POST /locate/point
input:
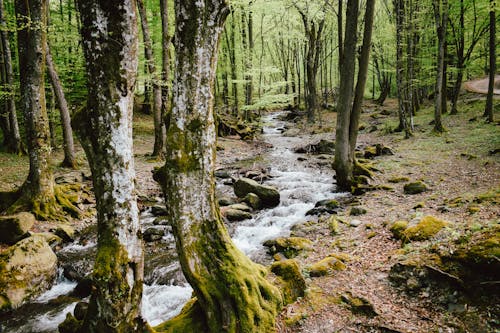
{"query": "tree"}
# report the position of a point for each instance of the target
(165, 75)
(349, 107)
(441, 20)
(157, 95)
(488, 111)
(232, 294)
(12, 136)
(109, 33)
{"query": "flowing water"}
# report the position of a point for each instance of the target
(165, 290)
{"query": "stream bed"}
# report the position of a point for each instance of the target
(166, 291)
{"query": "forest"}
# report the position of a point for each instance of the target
(249, 166)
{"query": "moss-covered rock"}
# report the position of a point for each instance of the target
(357, 210)
(70, 324)
(428, 227)
(290, 280)
(326, 267)
(269, 196)
(241, 206)
(289, 246)
(236, 214)
(66, 232)
(397, 228)
(15, 227)
(26, 269)
(359, 305)
(415, 188)
(252, 200)
(400, 179)
(333, 225)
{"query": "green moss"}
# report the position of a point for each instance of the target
(326, 267)
(398, 227)
(344, 257)
(289, 246)
(191, 319)
(182, 149)
(425, 229)
(333, 225)
(359, 305)
(70, 325)
(490, 196)
(415, 188)
(398, 180)
(290, 280)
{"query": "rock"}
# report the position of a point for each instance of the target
(50, 238)
(301, 159)
(292, 283)
(252, 200)
(160, 220)
(153, 234)
(234, 215)
(415, 188)
(359, 305)
(397, 228)
(326, 267)
(83, 288)
(243, 207)
(425, 229)
(81, 310)
(159, 210)
(333, 225)
(289, 246)
(71, 273)
(15, 227)
(355, 223)
(322, 147)
(226, 201)
(26, 269)
(357, 210)
(223, 174)
(330, 204)
(66, 232)
(269, 196)
(377, 150)
(398, 179)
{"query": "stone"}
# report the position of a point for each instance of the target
(66, 232)
(359, 305)
(357, 210)
(234, 215)
(226, 201)
(397, 228)
(333, 225)
(428, 227)
(153, 234)
(415, 188)
(26, 269)
(269, 196)
(159, 210)
(83, 288)
(355, 223)
(289, 246)
(322, 147)
(160, 220)
(326, 267)
(15, 227)
(292, 283)
(81, 310)
(241, 206)
(252, 200)
(330, 204)
(50, 238)
(223, 174)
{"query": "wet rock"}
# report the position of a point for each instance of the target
(153, 234)
(26, 269)
(328, 206)
(226, 201)
(69, 325)
(66, 232)
(269, 196)
(15, 227)
(81, 310)
(159, 210)
(359, 305)
(223, 174)
(234, 215)
(241, 206)
(83, 288)
(326, 266)
(357, 210)
(289, 246)
(425, 229)
(252, 200)
(322, 147)
(291, 282)
(161, 220)
(301, 159)
(71, 273)
(415, 188)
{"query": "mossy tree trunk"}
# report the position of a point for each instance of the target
(231, 290)
(109, 32)
(13, 137)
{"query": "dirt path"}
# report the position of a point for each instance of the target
(480, 86)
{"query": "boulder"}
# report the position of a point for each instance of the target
(397, 228)
(425, 229)
(292, 283)
(359, 305)
(289, 246)
(415, 188)
(234, 215)
(153, 234)
(243, 207)
(15, 227)
(326, 267)
(159, 210)
(226, 201)
(66, 232)
(328, 206)
(252, 200)
(322, 147)
(377, 150)
(26, 269)
(269, 196)
(357, 210)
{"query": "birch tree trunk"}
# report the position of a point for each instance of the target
(109, 32)
(488, 110)
(441, 18)
(232, 293)
(165, 75)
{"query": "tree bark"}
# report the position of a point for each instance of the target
(343, 163)
(13, 139)
(488, 110)
(109, 32)
(157, 95)
(69, 147)
(441, 17)
(165, 40)
(231, 290)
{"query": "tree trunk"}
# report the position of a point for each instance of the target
(343, 163)
(231, 290)
(165, 87)
(157, 96)
(488, 110)
(69, 147)
(109, 32)
(441, 17)
(340, 34)
(14, 143)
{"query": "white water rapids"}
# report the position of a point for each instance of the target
(300, 188)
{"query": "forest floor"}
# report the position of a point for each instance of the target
(457, 166)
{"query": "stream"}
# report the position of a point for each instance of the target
(166, 291)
